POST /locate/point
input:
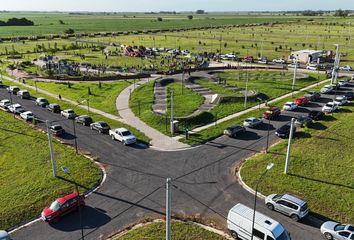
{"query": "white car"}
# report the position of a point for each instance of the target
(123, 135)
(326, 89)
(290, 106)
(28, 115)
(293, 65)
(343, 83)
(346, 68)
(330, 107)
(311, 67)
(16, 108)
(42, 102)
(279, 61)
(68, 113)
(4, 104)
(341, 100)
(252, 122)
(337, 231)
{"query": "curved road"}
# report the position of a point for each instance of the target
(204, 180)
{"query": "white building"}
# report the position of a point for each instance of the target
(306, 56)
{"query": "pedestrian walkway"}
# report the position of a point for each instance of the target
(158, 140)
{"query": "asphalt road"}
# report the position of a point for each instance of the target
(203, 178)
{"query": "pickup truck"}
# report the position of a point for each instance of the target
(123, 135)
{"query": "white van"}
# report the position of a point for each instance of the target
(239, 223)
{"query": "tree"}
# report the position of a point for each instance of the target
(61, 22)
(190, 17)
(69, 31)
(200, 11)
(341, 13)
(159, 19)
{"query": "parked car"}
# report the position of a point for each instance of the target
(252, 122)
(279, 61)
(100, 126)
(336, 231)
(312, 95)
(122, 135)
(330, 107)
(326, 89)
(340, 100)
(68, 113)
(84, 120)
(16, 108)
(287, 204)
(289, 106)
(62, 206)
(303, 121)
(263, 60)
(302, 101)
(349, 95)
(312, 67)
(234, 130)
(12, 89)
(42, 102)
(293, 65)
(4, 104)
(4, 235)
(28, 116)
(271, 113)
(249, 59)
(57, 130)
(316, 115)
(346, 68)
(343, 83)
(53, 107)
(24, 94)
(284, 131)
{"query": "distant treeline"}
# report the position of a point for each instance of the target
(17, 22)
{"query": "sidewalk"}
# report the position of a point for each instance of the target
(107, 115)
(159, 141)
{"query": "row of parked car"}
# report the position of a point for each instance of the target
(304, 120)
(121, 134)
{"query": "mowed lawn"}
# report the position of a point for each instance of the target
(320, 170)
(180, 231)
(103, 98)
(27, 182)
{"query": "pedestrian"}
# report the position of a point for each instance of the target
(59, 96)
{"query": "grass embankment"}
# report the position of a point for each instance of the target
(102, 98)
(180, 231)
(80, 111)
(320, 170)
(27, 182)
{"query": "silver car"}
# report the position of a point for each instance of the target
(289, 205)
(252, 122)
(336, 231)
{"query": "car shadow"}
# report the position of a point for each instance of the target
(283, 118)
(92, 218)
(344, 110)
(313, 104)
(248, 136)
(68, 136)
(265, 127)
(139, 145)
(328, 118)
(302, 134)
(324, 100)
(302, 109)
(317, 126)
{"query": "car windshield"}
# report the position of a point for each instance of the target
(283, 236)
(277, 197)
(57, 127)
(55, 206)
(339, 227)
(126, 133)
(70, 111)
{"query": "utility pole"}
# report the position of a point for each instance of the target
(182, 79)
(172, 124)
(336, 64)
(220, 42)
(295, 71)
(268, 130)
(54, 164)
(289, 145)
(168, 209)
(246, 91)
(74, 128)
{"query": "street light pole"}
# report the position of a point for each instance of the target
(74, 128)
(269, 167)
(52, 157)
(336, 64)
(294, 79)
(172, 124)
(268, 130)
(289, 145)
(246, 91)
(168, 209)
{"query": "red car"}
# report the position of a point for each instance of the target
(272, 113)
(302, 101)
(62, 206)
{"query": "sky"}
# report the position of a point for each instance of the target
(173, 5)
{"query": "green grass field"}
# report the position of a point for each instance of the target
(180, 231)
(320, 170)
(27, 182)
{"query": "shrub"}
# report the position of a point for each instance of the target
(159, 19)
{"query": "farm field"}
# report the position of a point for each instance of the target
(320, 168)
(30, 173)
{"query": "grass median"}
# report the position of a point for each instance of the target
(27, 182)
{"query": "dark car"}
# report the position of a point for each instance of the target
(316, 115)
(272, 113)
(312, 96)
(84, 120)
(234, 130)
(303, 121)
(100, 126)
(57, 130)
(55, 108)
(62, 206)
(284, 131)
(349, 95)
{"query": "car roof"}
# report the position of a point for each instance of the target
(67, 197)
(122, 129)
(289, 103)
(28, 112)
(16, 105)
(293, 199)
